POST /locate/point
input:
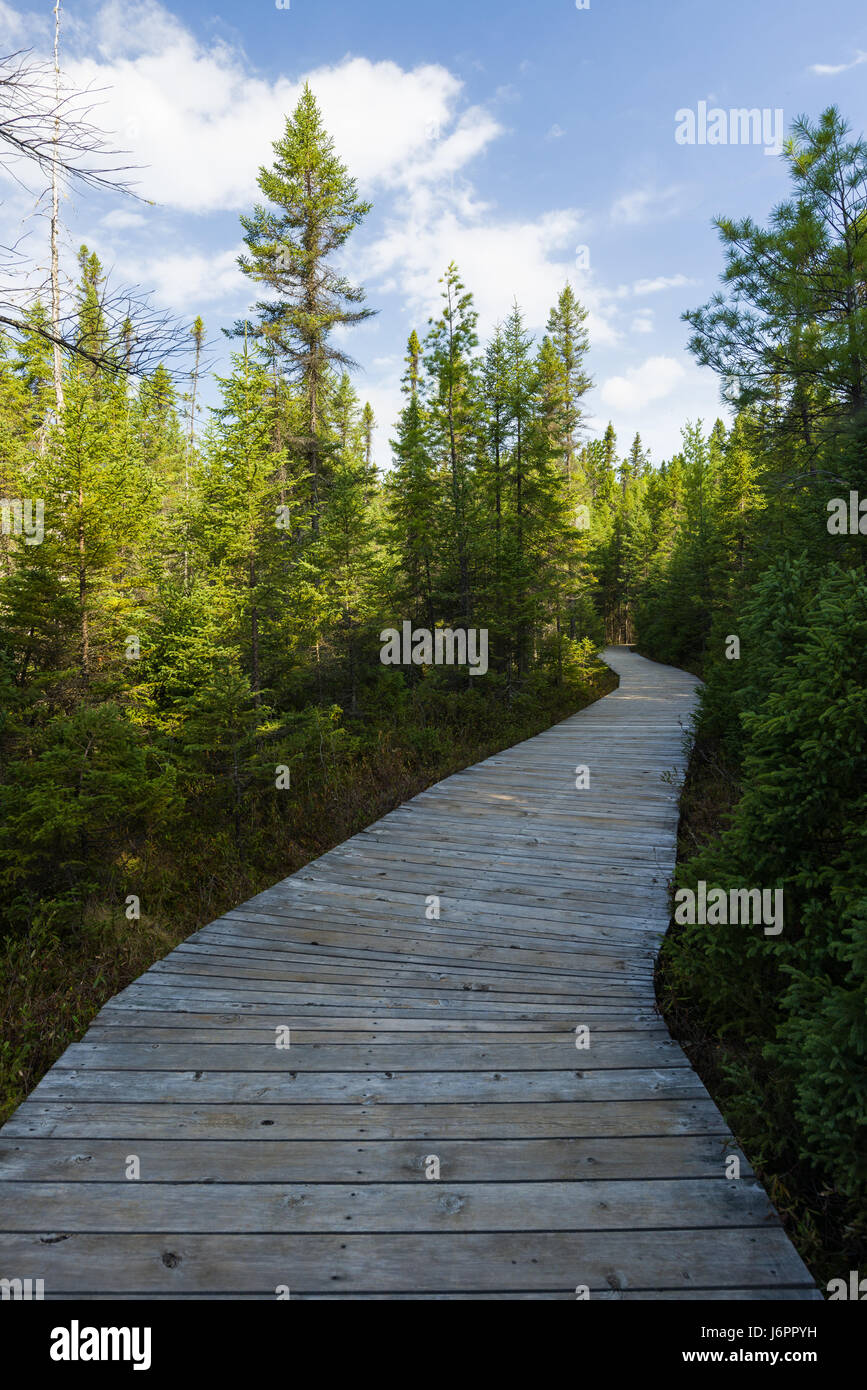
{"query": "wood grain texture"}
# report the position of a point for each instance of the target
(418, 1045)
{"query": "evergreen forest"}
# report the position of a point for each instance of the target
(193, 702)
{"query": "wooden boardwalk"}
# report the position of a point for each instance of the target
(418, 1044)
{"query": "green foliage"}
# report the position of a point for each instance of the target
(69, 811)
(192, 699)
(801, 824)
(751, 557)
(202, 618)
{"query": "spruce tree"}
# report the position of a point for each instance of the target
(413, 504)
(571, 342)
(450, 359)
(312, 208)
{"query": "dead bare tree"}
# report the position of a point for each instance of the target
(55, 226)
(47, 129)
(43, 125)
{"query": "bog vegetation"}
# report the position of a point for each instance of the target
(192, 692)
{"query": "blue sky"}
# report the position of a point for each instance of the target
(505, 136)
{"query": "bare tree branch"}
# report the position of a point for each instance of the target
(41, 126)
(49, 129)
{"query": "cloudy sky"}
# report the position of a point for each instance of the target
(530, 142)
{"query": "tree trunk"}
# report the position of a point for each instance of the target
(55, 228)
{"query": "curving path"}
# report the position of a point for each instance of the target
(417, 1045)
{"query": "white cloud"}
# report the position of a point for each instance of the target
(661, 282)
(695, 396)
(500, 259)
(13, 24)
(642, 322)
(680, 391)
(185, 281)
(201, 123)
(831, 70)
(119, 219)
(443, 157)
(647, 204)
(390, 364)
(655, 378)
(385, 396)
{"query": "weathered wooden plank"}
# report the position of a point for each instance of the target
(353, 1029)
(361, 1088)
(541, 1120)
(198, 964)
(517, 1295)
(283, 923)
(604, 918)
(317, 1208)
(751, 1295)
(282, 1005)
(524, 911)
(520, 892)
(432, 1055)
(445, 1262)
(454, 947)
(391, 1161)
(438, 950)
